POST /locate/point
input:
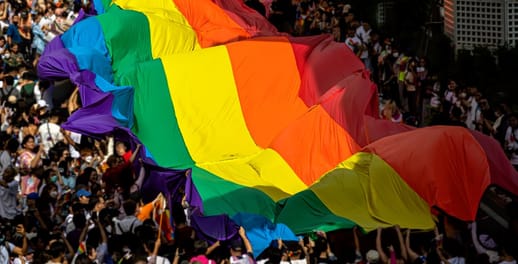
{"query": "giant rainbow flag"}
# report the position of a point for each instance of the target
(265, 123)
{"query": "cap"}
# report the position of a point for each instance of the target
(372, 256)
(42, 103)
(83, 192)
(236, 245)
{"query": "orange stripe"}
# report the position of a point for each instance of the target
(211, 23)
(268, 81)
(314, 144)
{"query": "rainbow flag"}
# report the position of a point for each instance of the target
(268, 124)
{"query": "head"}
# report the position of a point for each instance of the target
(9, 79)
(130, 207)
(28, 142)
(57, 251)
(452, 85)
(9, 174)
(372, 256)
(15, 20)
(236, 248)
(120, 148)
(12, 145)
(200, 247)
(14, 48)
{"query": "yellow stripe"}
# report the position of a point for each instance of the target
(166, 22)
(207, 105)
(213, 127)
(266, 171)
(365, 181)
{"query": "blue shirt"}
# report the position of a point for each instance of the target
(12, 31)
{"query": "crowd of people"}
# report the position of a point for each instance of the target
(68, 198)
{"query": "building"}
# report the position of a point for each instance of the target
(481, 23)
(383, 11)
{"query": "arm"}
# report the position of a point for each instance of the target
(82, 237)
(68, 139)
(104, 237)
(379, 248)
(401, 243)
(141, 176)
(411, 254)
(17, 250)
(176, 259)
(356, 240)
(36, 160)
(56, 170)
(212, 248)
(248, 246)
(135, 153)
(67, 244)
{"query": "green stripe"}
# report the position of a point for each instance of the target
(223, 197)
(127, 37)
(106, 4)
(304, 213)
(155, 121)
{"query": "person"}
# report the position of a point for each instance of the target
(8, 154)
(8, 194)
(394, 258)
(50, 131)
(511, 140)
(29, 161)
(237, 254)
(130, 221)
(13, 33)
(6, 247)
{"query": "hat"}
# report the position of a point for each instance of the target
(372, 256)
(42, 103)
(83, 192)
(236, 245)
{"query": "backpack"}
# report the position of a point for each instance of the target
(126, 238)
(4, 95)
(27, 93)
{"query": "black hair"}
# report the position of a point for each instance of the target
(83, 259)
(57, 249)
(130, 207)
(79, 220)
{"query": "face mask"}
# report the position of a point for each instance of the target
(54, 178)
(53, 194)
(88, 159)
(2, 239)
(395, 54)
(15, 23)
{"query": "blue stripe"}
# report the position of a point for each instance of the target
(99, 7)
(89, 49)
(122, 106)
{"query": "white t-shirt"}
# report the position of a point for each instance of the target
(245, 259)
(50, 134)
(456, 260)
(5, 248)
(159, 260)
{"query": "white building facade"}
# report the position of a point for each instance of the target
(481, 23)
